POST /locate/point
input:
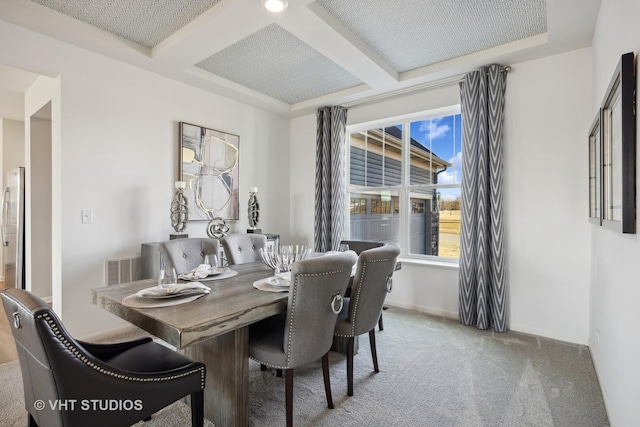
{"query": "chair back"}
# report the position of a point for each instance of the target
(310, 323)
(241, 248)
(375, 267)
(359, 246)
(186, 254)
(35, 342)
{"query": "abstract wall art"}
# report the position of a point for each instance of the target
(209, 165)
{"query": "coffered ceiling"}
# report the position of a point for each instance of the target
(315, 52)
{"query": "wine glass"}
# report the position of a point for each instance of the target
(214, 261)
(344, 247)
(168, 277)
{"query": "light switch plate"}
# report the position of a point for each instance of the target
(87, 216)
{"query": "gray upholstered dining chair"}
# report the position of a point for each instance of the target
(305, 332)
(142, 375)
(186, 254)
(361, 311)
(241, 248)
(359, 246)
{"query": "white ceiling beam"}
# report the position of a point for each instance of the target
(317, 28)
(221, 26)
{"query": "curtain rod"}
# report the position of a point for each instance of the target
(447, 81)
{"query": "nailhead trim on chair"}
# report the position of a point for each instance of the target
(293, 306)
(79, 355)
(355, 306)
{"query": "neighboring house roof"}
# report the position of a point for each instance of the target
(396, 133)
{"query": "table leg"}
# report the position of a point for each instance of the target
(226, 393)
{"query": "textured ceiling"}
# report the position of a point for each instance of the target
(276, 63)
(146, 22)
(317, 52)
(409, 34)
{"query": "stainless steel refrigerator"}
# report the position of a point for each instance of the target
(12, 225)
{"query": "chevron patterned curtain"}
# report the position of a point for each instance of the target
(330, 178)
(481, 278)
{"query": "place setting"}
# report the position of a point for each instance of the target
(208, 270)
(170, 291)
(281, 260)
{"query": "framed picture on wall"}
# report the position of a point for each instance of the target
(595, 171)
(209, 165)
(619, 149)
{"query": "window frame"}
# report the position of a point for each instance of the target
(404, 191)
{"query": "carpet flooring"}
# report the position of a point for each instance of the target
(433, 372)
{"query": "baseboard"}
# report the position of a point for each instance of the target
(510, 326)
(573, 339)
(421, 309)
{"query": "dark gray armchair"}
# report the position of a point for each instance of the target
(241, 248)
(362, 310)
(305, 332)
(186, 254)
(140, 376)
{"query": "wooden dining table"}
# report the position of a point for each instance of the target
(213, 329)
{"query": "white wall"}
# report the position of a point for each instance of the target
(546, 231)
(119, 157)
(45, 91)
(302, 180)
(615, 269)
(12, 135)
(39, 173)
(547, 119)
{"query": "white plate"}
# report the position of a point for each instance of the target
(218, 270)
(278, 282)
(213, 272)
(176, 295)
(180, 290)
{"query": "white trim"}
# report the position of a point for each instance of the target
(447, 81)
(573, 339)
(404, 192)
(421, 309)
(392, 121)
(432, 261)
(545, 334)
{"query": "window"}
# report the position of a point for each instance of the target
(380, 206)
(358, 206)
(408, 169)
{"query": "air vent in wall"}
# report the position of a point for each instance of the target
(121, 270)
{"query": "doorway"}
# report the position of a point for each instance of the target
(40, 174)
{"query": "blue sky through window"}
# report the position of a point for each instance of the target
(443, 136)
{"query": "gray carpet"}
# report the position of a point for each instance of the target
(434, 372)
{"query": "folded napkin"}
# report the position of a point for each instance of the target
(332, 252)
(190, 288)
(200, 272)
(281, 279)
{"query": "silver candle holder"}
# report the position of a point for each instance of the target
(253, 211)
(179, 211)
